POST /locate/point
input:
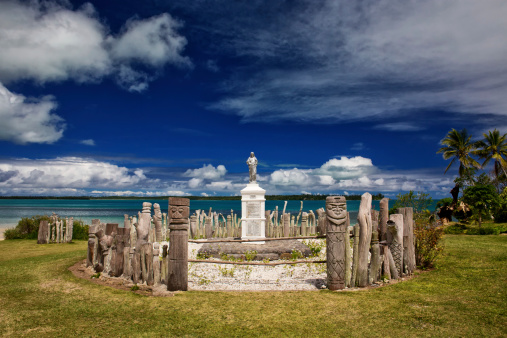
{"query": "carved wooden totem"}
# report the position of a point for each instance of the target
(177, 269)
(336, 211)
(157, 219)
(395, 227)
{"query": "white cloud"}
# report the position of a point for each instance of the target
(139, 193)
(207, 172)
(88, 142)
(48, 41)
(28, 120)
(378, 59)
(68, 172)
(44, 41)
(346, 167)
(153, 41)
(292, 177)
(194, 183)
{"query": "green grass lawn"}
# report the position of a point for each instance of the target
(465, 296)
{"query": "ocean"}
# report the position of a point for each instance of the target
(112, 210)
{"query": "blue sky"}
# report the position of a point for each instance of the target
(170, 97)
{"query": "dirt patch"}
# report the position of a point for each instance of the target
(81, 271)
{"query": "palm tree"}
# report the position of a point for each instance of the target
(494, 147)
(457, 145)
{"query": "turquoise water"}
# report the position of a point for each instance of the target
(112, 211)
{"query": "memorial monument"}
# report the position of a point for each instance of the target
(253, 215)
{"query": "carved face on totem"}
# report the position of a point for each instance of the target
(336, 209)
(179, 210)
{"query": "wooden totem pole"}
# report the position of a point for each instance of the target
(336, 211)
(177, 269)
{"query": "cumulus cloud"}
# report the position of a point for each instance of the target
(207, 172)
(25, 120)
(346, 167)
(344, 61)
(153, 41)
(48, 41)
(81, 176)
(68, 173)
(356, 174)
(44, 41)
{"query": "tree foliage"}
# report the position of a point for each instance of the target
(458, 147)
(28, 228)
(482, 199)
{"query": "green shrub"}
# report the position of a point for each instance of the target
(80, 230)
(12, 234)
(500, 214)
(27, 228)
(428, 242)
(455, 229)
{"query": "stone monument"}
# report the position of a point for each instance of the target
(253, 210)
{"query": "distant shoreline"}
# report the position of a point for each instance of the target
(378, 196)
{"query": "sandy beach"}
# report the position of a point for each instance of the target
(4, 227)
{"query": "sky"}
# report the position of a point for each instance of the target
(169, 97)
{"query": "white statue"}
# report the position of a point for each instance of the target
(252, 167)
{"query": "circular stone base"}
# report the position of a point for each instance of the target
(272, 250)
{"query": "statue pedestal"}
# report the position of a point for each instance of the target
(253, 213)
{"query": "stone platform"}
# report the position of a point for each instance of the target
(272, 250)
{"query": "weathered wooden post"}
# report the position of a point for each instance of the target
(91, 244)
(408, 240)
(375, 263)
(117, 268)
(208, 228)
(336, 211)
(383, 218)
(43, 233)
(163, 265)
(193, 227)
(321, 221)
(156, 263)
(157, 220)
(395, 227)
(286, 225)
(348, 253)
(110, 253)
(95, 227)
(267, 224)
(147, 260)
(143, 232)
(365, 225)
(355, 256)
(177, 269)
(304, 223)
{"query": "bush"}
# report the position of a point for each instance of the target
(455, 229)
(428, 244)
(12, 234)
(80, 230)
(500, 213)
(27, 228)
